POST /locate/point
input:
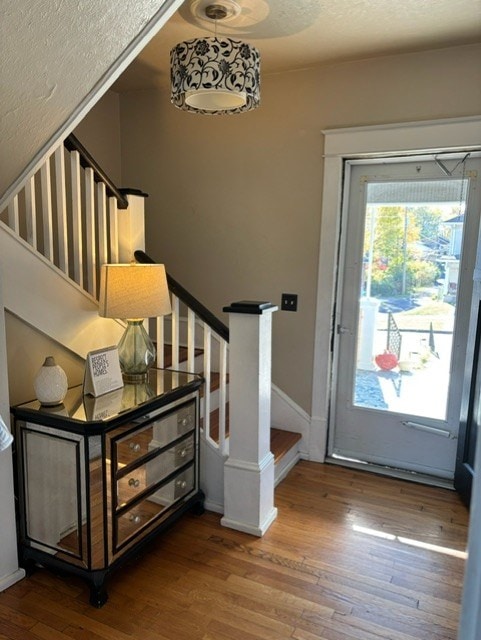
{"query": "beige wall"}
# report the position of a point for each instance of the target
(235, 201)
(27, 349)
(283, 177)
(99, 132)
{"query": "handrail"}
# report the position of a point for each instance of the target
(72, 143)
(187, 298)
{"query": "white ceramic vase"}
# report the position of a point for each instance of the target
(50, 383)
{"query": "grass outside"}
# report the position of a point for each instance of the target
(438, 313)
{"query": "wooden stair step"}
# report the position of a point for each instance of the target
(281, 441)
(182, 354)
(214, 424)
(214, 382)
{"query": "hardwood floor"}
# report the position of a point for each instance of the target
(351, 556)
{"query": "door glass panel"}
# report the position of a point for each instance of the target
(412, 244)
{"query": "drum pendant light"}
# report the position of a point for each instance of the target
(215, 75)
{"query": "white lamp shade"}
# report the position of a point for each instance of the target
(133, 291)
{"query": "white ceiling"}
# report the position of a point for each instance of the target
(303, 33)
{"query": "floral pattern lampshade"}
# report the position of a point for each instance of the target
(215, 75)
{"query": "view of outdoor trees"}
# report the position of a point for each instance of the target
(408, 295)
(402, 247)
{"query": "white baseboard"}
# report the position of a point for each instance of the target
(213, 506)
(12, 578)
(254, 530)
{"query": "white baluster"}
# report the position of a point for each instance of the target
(175, 332)
(114, 230)
(207, 367)
(102, 222)
(13, 214)
(160, 339)
(31, 212)
(61, 201)
(77, 238)
(90, 231)
(222, 395)
(47, 210)
(190, 340)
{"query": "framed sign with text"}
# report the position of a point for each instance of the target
(102, 372)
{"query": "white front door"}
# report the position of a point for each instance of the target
(409, 246)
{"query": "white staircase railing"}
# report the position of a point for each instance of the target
(194, 329)
(72, 214)
(74, 218)
(68, 212)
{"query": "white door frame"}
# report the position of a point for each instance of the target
(456, 134)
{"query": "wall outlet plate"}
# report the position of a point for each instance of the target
(289, 302)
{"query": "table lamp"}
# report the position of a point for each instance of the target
(133, 292)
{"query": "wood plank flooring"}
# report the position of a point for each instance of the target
(351, 556)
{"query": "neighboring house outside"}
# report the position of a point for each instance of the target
(452, 257)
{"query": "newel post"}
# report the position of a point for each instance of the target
(131, 225)
(249, 469)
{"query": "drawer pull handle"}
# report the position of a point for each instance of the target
(182, 484)
(135, 446)
(183, 453)
(134, 482)
(186, 420)
(135, 519)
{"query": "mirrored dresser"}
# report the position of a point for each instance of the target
(98, 478)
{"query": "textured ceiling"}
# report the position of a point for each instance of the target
(293, 35)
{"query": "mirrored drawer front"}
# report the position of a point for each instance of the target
(130, 522)
(176, 424)
(145, 476)
(156, 434)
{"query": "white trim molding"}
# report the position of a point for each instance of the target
(8, 581)
(256, 513)
(454, 134)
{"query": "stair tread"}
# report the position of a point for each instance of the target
(214, 424)
(214, 382)
(182, 354)
(282, 441)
